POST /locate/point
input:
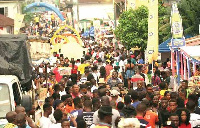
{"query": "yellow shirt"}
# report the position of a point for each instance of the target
(81, 68)
(36, 19)
(52, 17)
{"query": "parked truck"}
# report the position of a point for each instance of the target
(15, 74)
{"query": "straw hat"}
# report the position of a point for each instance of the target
(101, 81)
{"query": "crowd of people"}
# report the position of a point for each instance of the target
(109, 87)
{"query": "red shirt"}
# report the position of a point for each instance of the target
(185, 126)
(74, 70)
(108, 69)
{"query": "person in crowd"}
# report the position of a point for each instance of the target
(150, 116)
(173, 121)
(149, 88)
(75, 91)
(167, 95)
(137, 77)
(11, 118)
(184, 118)
(108, 67)
(129, 69)
(115, 96)
(78, 108)
(44, 121)
(81, 124)
(173, 106)
(96, 104)
(135, 98)
(114, 80)
(183, 95)
(67, 100)
(194, 118)
(105, 117)
(88, 113)
(163, 88)
(184, 84)
(155, 80)
(140, 110)
(128, 110)
(58, 115)
(106, 102)
(120, 107)
(21, 121)
(65, 123)
(163, 112)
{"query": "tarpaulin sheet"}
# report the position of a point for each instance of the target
(14, 57)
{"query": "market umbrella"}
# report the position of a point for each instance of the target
(72, 50)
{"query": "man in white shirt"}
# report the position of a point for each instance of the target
(58, 115)
(44, 121)
(194, 118)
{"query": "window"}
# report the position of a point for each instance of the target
(16, 93)
(6, 11)
(2, 11)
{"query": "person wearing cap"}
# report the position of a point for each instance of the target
(115, 96)
(101, 82)
(105, 117)
(105, 102)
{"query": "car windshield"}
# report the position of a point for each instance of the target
(4, 100)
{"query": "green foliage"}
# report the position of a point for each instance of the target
(132, 30)
(190, 12)
(164, 28)
(28, 16)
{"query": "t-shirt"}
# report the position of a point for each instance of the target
(88, 117)
(151, 117)
(44, 122)
(68, 108)
(81, 68)
(194, 119)
(143, 122)
(58, 125)
(135, 104)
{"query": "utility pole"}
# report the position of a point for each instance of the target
(115, 23)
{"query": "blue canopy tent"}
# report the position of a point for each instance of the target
(164, 47)
(165, 50)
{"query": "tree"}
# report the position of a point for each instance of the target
(133, 26)
(132, 30)
(28, 17)
(190, 13)
(164, 27)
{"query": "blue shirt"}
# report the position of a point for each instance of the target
(135, 104)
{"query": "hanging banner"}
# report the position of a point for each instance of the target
(176, 43)
(152, 45)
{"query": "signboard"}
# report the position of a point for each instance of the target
(43, 93)
(65, 70)
(176, 43)
(39, 9)
(194, 81)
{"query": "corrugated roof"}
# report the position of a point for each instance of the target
(6, 21)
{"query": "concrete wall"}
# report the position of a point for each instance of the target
(13, 8)
(7, 30)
